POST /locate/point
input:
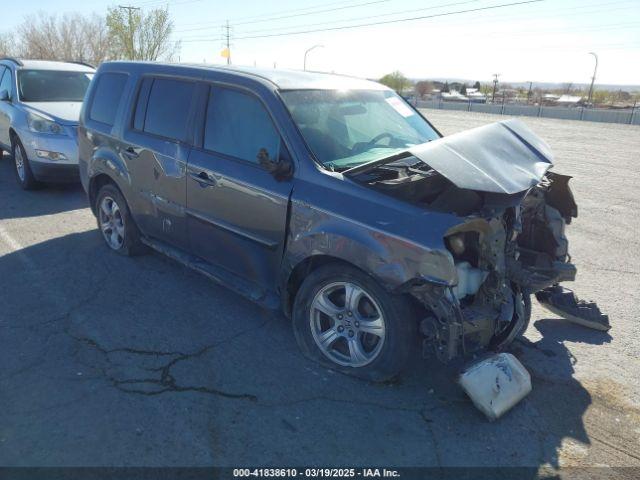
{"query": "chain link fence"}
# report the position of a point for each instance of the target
(629, 116)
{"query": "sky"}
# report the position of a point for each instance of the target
(541, 41)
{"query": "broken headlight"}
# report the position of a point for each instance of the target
(464, 246)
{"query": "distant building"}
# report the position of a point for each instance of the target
(453, 96)
(569, 100)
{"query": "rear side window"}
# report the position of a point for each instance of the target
(238, 125)
(106, 98)
(168, 108)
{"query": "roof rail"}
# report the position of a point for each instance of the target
(14, 60)
(86, 64)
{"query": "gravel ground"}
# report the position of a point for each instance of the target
(112, 361)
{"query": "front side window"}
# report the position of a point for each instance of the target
(168, 107)
(345, 128)
(238, 125)
(52, 86)
(106, 98)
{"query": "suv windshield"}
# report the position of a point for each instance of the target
(52, 86)
(345, 128)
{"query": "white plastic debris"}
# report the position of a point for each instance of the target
(496, 384)
(469, 280)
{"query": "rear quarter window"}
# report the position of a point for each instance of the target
(106, 98)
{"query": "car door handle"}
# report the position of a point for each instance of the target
(204, 179)
(131, 152)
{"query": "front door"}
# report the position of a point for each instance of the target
(236, 209)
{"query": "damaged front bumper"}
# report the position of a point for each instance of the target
(502, 259)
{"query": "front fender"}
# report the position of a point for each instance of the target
(390, 259)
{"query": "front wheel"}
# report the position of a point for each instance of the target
(22, 168)
(344, 320)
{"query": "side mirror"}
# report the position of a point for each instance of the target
(280, 168)
(4, 96)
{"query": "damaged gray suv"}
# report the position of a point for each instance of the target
(333, 199)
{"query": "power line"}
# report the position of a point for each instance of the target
(328, 10)
(580, 11)
(167, 3)
(386, 22)
(368, 17)
(253, 17)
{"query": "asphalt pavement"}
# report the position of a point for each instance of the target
(114, 361)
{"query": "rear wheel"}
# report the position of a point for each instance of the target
(344, 320)
(118, 229)
(22, 169)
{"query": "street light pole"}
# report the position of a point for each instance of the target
(593, 79)
(304, 64)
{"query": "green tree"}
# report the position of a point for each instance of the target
(463, 89)
(137, 35)
(396, 81)
(445, 88)
(477, 85)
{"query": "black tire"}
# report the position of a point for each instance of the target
(26, 181)
(400, 323)
(131, 244)
(527, 314)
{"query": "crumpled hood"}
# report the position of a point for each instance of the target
(503, 157)
(66, 113)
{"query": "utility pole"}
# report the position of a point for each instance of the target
(593, 79)
(227, 36)
(130, 10)
(529, 94)
(495, 85)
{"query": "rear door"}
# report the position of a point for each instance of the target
(156, 146)
(237, 210)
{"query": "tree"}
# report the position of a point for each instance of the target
(423, 87)
(136, 35)
(477, 85)
(463, 89)
(396, 80)
(445, 88)
(7, 45)
(69, 37)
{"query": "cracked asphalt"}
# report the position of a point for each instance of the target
(113, 361)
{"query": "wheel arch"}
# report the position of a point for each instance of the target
(302, 269)
(96, 183)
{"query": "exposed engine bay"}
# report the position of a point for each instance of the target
(509, 246)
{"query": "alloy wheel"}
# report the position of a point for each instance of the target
(18, 158)
(347, 324)
(111, 223)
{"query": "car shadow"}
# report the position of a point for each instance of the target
(50, 198)
(98, 342)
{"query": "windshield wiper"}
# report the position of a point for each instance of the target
(364, 167)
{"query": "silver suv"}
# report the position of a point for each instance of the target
(40, 104)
